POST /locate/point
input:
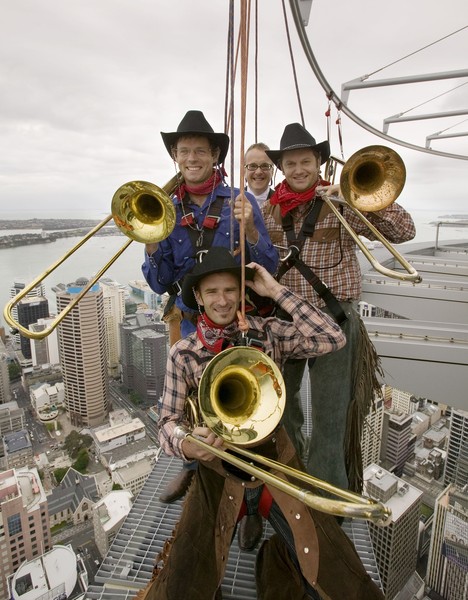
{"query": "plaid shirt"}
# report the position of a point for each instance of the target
(311, 333)
(331, 251)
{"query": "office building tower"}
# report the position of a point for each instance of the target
(12, 418)
(396, 545)
(29, 311)
(447, 570)
(114, 312)
(108, 516)
(371, 437)
(398, 441)
(24, 531)
(17, 287)
(456, 466)
(404, 402)
(144, 356)
(45, 351)
(83, 354)
(5, 394)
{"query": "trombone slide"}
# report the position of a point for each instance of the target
(357, 507)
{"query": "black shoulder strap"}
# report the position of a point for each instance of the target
(294, 260)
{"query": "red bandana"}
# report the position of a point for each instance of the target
(287, 199)
(216, 337)
(201, 189)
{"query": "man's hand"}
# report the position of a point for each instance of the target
(251, 232)
(329, 190)
(263, 283)
(193, 451)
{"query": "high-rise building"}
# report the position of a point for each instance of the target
(372, 434)
(45, 351)
(404, 401)
(456, 465)
(16, 288)
(114, 312)
(144, 356)
(396, 545)
(5, 394)
(398, 440)
(29, 311)
(447, 570)
(83, 354)
(24, 529)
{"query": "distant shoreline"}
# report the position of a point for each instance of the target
(51, 230)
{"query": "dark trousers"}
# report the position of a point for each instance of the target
(331, 384)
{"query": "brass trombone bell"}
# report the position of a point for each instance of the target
(373, 178)
(242, 395)
(141, 210)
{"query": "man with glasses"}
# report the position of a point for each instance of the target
(204, 219)
(258, 172)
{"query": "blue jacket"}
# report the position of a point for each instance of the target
(175, 255)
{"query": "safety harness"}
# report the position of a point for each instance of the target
(295, 245)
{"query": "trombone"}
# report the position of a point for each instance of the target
(241, 399)
(143, 211)
(372, 179)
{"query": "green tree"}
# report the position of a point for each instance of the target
(116, 486)
(135, 398)
(75, 442)
(82, 461)
(14, 371)
(60, 473)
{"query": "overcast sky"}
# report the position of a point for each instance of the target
(87, 86)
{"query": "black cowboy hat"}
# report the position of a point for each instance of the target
(296, 136)
(216, 260)
(194, 123)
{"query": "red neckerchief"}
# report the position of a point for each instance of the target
(288, 199)
(201, 189)
(216, 337)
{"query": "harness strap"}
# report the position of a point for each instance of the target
(294, 260)
(210, 224)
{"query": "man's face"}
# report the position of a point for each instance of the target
(301, 168)
(258, 179)
(219, 293)
(195, 158)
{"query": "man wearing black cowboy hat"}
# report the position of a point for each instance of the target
(288, 565)
(323, 268)
(203, 209)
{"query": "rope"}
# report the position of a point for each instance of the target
(229, 118)
(413, 53)
(244, 47)
(256, 75)
(293, 64)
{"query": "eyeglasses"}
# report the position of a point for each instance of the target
(263, 167)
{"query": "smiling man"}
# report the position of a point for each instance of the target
(258, 172)
(309, 549)
(203, 219)
(323, 267)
